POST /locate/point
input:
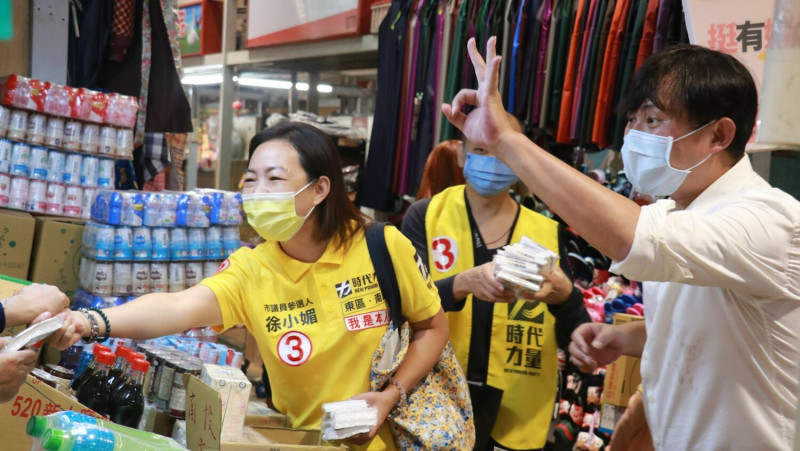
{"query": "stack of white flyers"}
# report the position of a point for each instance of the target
(345, 419)
(520, 265)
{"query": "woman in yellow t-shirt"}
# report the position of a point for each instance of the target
(308, 294)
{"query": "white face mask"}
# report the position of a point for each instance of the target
(273, 215)
(646, 160)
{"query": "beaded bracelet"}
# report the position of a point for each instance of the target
(403, 395)
(95, 328)
(3, 314)
(105, 320)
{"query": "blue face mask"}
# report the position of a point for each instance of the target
(488, 175)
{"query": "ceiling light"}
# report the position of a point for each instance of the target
(324, 88)
(202, 79)
(264, 83)
(199, 69)
(301, 86)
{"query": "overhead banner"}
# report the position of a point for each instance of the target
(742, 28)
(739, 27)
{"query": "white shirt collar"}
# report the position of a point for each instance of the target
(734, 180)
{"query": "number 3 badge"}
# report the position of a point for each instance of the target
(294, 348)
(445, 253)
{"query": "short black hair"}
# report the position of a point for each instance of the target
(336, 216)
(700, 83)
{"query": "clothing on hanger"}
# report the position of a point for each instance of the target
(648, 33)
(616, 33)
(586, 73)
(629, 64)
(573, 62)
(391, 53)
(544, 19)
(598, 71)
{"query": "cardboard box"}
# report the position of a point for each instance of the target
(260, 415)
(622, 376)
(204, 426)
(234, 390)
(609, 417)
(34, 398)
(56, 255)
(16, 242)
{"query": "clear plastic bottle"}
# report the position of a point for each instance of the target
(95, 392)
(90, 437)
(169, 210)
(127, 402)
(152, 210)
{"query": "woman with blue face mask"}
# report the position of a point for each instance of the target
(308, 294)
(457, 232)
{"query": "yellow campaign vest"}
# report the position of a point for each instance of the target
(522, 352)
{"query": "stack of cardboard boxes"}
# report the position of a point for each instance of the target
(621, 382)
(42, 249)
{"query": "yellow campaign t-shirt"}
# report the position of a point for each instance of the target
(318, 324)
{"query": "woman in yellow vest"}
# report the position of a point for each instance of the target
(508, 350)
(308, 294)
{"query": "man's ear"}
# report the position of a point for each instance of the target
(723, 133)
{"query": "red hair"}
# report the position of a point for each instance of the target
(441, 170)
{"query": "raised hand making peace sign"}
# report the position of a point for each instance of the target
(485, 124)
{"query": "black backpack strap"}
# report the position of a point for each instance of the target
(384, 270)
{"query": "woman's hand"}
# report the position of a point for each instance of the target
(384, 401)
(75, 326)
(555, 289)
(481, 283)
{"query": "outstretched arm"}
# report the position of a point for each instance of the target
(604, 218)
(149, 316)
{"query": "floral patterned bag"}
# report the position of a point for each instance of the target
(438, 413)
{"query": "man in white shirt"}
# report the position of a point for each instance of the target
(720, 259)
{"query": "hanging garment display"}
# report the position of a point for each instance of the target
(566, 64)
(149, 64)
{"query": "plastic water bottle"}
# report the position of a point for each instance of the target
(83, 364)
(179, 244)
(182, 213)
(152, 210)
(160, 250)
(74, 431)
(230, 240)
(169, 210)
(214, 247)
(197, 244)
(142, 244)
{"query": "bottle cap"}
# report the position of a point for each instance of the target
(140, 365)
(53, 439)
(98, 347)
(36, 426)
(106, 358)
(123, 351)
